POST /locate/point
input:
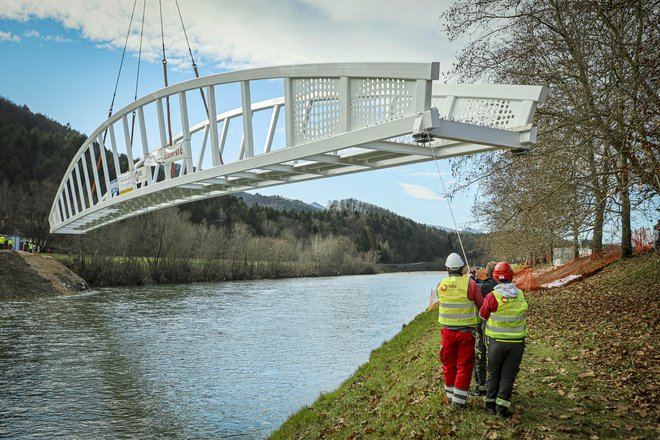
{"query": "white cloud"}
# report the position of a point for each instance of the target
(420, 192)
(32, 33)
(8, 36)
(251, 33)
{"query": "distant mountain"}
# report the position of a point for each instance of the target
(278, 203)
(467, 230)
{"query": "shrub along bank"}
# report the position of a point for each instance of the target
(590, 371)
(102, 270)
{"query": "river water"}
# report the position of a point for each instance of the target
(211, 360)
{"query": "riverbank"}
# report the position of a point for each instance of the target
(104, 271)
(26, 274)
(590, 371)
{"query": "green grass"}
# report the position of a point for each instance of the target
(586, 373)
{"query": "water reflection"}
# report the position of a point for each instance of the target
(229, 360)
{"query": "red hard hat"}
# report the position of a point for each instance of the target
(502, 271)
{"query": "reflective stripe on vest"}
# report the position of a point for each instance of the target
(454, 307)
(510, 319)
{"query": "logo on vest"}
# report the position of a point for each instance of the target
(443, 287)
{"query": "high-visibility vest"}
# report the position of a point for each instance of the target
(2, 239)
(509, 321)
(455, 309)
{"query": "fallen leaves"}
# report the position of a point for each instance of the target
(616, 333)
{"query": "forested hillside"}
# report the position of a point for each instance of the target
(395, 239)
(35, 150)
(293, 237)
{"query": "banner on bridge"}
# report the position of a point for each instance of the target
(165, 155)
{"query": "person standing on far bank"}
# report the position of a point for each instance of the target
(505, 311)
(459, 300)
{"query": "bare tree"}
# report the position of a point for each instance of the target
(600, 60)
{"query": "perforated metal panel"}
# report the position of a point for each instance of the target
(378, 100)
(497, 113)
(315, 108)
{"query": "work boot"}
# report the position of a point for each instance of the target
(490, 408)
(502, 411)
(457, 406)
(478, 391)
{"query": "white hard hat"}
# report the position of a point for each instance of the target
(454, 261)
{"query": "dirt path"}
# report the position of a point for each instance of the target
(24, 274)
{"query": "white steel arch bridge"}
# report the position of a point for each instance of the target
(331, 119)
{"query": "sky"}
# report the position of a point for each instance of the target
(61, 58)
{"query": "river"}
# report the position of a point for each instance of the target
(207, 360)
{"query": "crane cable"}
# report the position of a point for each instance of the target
(167, 98)
(137, 77)
(123, 55)
(451, 211)
(114, 95)
(194, 66)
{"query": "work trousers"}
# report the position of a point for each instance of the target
(503, 365)
(457, 356)
(481, 356)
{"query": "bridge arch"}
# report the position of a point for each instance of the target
(331, 119)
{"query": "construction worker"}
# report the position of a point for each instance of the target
(30, 246)
(10, 243)
(486, 286)
(504, 311)
(459, 300)
(2, 241)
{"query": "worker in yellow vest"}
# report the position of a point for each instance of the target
(2, 241)
(505, 311)
(459, 299)
(11, 244)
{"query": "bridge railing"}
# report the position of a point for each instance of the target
(135, 148)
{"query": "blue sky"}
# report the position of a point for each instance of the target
(60, 58)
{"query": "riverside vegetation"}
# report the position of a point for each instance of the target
(590, 371)
(225, 239)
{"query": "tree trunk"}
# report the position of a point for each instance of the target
(576, 238)
(624, 190)
(599, 221)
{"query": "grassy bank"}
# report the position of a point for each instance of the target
(590, 371)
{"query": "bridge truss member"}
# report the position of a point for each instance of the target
(459, 300)
(505, 312)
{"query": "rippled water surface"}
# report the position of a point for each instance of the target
(229, 360)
